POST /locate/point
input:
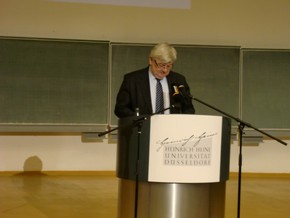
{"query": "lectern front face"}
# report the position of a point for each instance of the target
(185, 149)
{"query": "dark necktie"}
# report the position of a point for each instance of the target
(159, 98)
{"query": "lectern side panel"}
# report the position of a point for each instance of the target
(225, 149)
(133, 150)
(144, 151)
(126, 150)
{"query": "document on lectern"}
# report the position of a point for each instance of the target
(185, 148)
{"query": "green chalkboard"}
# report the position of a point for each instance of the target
(125, 58)
(211, 71)
(53, 82)
(266, 88)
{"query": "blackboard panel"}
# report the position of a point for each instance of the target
(212, 73)
(53, 82)
(125, 58)
(266, 79)
(213, 76)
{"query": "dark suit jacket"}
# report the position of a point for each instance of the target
(135, 93)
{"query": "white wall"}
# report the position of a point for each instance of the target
(64, 153)
(246, 23)
(268, 157)
(259, 24)
(69, 153)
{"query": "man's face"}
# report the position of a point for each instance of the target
(159, 68)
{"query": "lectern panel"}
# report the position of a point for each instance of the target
(174, 148)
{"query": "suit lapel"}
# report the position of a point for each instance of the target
(145, 89)
(170, 82)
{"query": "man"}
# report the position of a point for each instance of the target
(138, 89)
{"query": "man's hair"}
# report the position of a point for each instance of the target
(164, 52)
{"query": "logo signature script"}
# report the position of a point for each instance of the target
(184, 141)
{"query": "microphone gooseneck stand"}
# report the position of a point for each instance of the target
(139, 123)
(241, 126)
(139, 132)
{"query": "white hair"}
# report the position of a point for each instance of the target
(164, 52)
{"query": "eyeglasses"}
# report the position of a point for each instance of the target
(162, 65)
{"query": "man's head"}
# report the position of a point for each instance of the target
(161, 59)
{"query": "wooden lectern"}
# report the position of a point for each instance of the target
(173, 166)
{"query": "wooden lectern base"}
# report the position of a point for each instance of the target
(170, 200)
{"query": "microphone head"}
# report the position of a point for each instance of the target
(181, 88)
(183, 92)
(177, 96)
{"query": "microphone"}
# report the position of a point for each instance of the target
(182, 99)
(177, 95)
(175, 91)
(183, 92)
(177, 98)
